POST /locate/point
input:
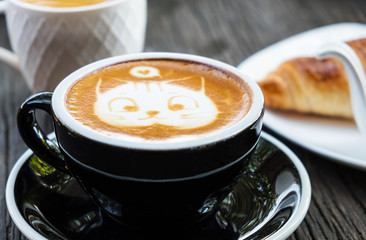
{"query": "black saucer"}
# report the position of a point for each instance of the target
(269, 202)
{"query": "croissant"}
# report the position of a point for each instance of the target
(312, 86)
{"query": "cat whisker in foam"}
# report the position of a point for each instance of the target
(160, 118)
(194, 115)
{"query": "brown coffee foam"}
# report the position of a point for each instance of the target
(64, 3)
(230, 94)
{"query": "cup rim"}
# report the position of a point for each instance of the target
(48, 9)
(59, 109)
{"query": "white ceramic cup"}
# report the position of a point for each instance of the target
(356, 78)
(49, 43)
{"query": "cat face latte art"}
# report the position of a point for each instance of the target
(158, 99)
(135, 104)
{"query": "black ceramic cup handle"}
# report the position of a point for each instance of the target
(32, 134)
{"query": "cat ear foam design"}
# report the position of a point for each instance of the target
(100, 80)
(97, 89)
(196, 82)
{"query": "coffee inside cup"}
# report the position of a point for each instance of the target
(158, 100)
(64, 3)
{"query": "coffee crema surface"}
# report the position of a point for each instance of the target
(158, 99)
(64, 3)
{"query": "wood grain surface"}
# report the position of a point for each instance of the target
(227, 30)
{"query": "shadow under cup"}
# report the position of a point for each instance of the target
(144, 188)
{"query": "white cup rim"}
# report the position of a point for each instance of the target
(61, 113)
(62, 10)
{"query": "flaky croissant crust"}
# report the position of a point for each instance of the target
(312, 86)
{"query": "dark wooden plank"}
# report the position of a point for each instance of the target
(233, 30)
(4, 133)
(337, 210)
(12, 147)
(13, 91)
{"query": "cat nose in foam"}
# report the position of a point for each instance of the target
(152, 113)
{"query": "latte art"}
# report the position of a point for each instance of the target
(158, 99)
(135, 104)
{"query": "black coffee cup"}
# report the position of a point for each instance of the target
(145, 185)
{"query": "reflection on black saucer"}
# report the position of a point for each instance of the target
(261, 203)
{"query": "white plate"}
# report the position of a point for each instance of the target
(339, 140)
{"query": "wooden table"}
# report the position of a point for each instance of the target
(228, 30)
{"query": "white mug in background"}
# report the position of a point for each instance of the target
(356, 78)
(51, 42)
